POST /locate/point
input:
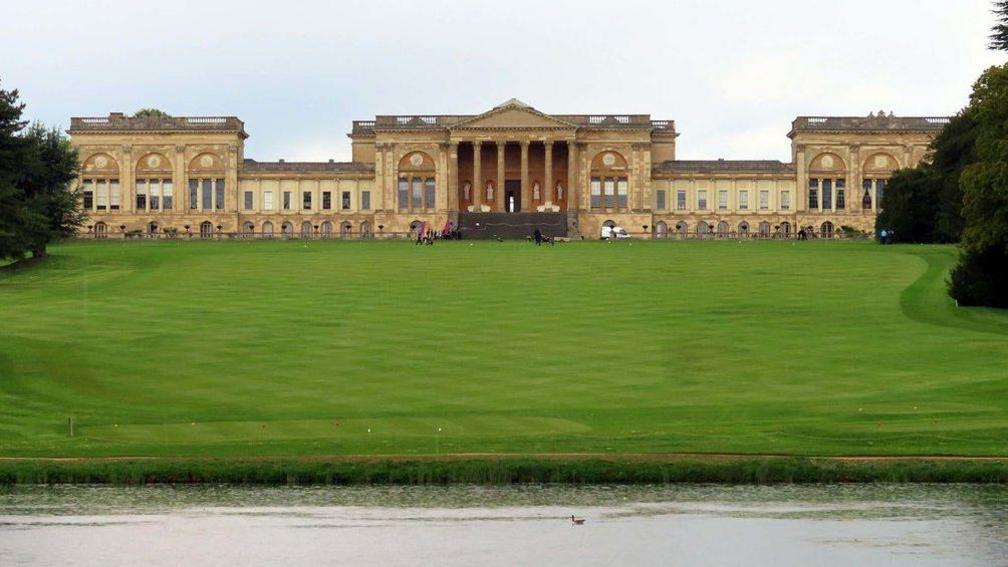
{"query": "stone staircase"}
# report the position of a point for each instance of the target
(511, 226)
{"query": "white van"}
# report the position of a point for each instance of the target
(616, 232)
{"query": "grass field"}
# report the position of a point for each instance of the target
(358, 348)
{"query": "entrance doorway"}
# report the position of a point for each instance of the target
(512, 196)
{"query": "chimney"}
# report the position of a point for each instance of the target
(116, 115)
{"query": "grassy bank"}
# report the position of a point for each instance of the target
(236, 350)
(737, 470)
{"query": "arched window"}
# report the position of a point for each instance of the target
(206, 229)
(155, 190)
(682, 229)
(785, 228)
(661, 230)
(287, 229)
(306, 229)
(152, 228)
(206, 182)
(413, 228)
(100, 230)
(702, 229)
(826, 230)
(417, 190)
(345, 230)
(866, 200)
(743, 229)
(327, 229)
(609, 187)
(267, 229)
(609, 224)
(722, 229)
(248, 229)
(365, 230)
(764, 229)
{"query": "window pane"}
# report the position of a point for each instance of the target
(880, 185)
(114, 195)
(827, 193)
(365, 200)
(429, 194)
(345, 200)
(403, 194)
(193, 194)
(610, 192)
(722, 199)
(306, 200)
(268, 200)
(764, 200)
(660, 200)
(702, 199)
(596, 193)
(743, 200)
(785, 200)
(207, 194)
(417, 193)
(154, 194)
(681, 200)
(813, 194)
(141, 194)
(841, 194)
(101, 189)
(326, 200)
(167, 189)
(219, 195)
(88, 191)
(248, 200)
(286, 200)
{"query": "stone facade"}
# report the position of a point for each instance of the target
(189, 174)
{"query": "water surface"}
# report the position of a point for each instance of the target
(693, 525)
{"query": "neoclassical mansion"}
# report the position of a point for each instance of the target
(158, 173)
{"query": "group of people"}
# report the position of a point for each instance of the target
(425, 235)
(541, 238)
(887, 236)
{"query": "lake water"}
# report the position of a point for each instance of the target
(690, 525)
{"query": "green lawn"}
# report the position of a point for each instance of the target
(328, 348)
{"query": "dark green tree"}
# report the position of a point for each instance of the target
(37, 169)
(999, 34)
(981, 278)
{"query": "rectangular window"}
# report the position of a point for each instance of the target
(154, 194)
(681, 200)
(702, 199)
(286, 200)
(743, 200)
(609, 188)
(596, 193)
(785, 200)
(219, 195)
(764, 200)
(722, 199)
(248, 200)
(660, 200)
(101, 187)
(167, 188)
(207, 187)
(345, 200)
(365, 200)
(115, 195)
(88, 194)
(622, 190)
(841, 194)
(268, 200)
(827, 194)
(326, 200)
(193, 194)
(880, 185)
(306, 200)
(813, 194)
(403, 194)
(417, 193)
(141, 195)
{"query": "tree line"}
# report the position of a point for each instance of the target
(38, 167)
(960, 194)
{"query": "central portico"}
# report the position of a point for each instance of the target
(513, 159)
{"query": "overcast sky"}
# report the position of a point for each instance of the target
(733, 74)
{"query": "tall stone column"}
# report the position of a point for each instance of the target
(453, 177)
(478, 185)
(526, 200)
(127, 181)
(548, 176)
(573, 191)
(499, 195)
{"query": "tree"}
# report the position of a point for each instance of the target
(999, 34)
(37, 168)
(981, 278)
(150, 112)
(924, 203)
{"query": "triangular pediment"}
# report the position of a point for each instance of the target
(513, 114)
